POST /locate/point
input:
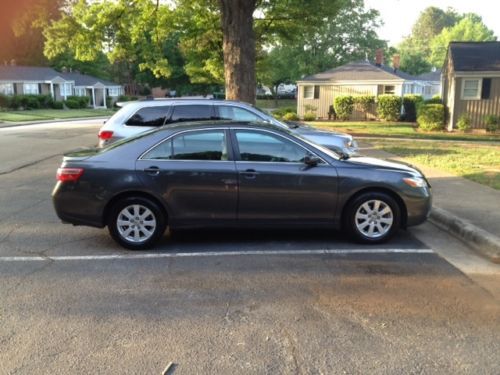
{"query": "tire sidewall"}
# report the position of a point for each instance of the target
(155, 209)
(350, 221)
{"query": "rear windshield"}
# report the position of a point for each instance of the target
(126, 140)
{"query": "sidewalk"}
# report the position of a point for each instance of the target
(459, 203)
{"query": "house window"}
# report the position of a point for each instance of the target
(7, 88)
(390, 90)
(30, 89)
(66, 89)
(114, 91)
(80, 91)
(308, 92)
(471, 89)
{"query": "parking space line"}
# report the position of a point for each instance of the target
(213, 254)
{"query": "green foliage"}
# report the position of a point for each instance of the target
(72, 103)
(470, 28)
(431, 117)
(436, 99)
(76, 102)
(280, 113)
(364, 103)
(413, 62)
(344, 105)
(290, 116)
(4, 101)
(464, 123)
(26, 101)
(492, 123)
(389, 107)
(57, 105)
(309, 116)
(410, 105)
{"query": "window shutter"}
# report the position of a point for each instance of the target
(486, 89)
(316, 92)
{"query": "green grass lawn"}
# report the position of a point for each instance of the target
(52, 114)
(476, 162)
(265, 103)
(399, 129)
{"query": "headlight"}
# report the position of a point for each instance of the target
(348, 142)
(415, 182)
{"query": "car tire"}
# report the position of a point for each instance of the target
(136, 223)
(372, 217)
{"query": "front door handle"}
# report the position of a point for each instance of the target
(249, 174)
(152, 171)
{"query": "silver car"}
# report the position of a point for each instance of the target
(136, 117)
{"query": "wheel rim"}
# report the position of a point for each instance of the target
(136, 223)
(374, 218)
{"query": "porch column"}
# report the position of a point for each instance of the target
(52, 91)
(93, 97)
(104, 96)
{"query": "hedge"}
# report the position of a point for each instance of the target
(76, 102)
(344, 105)
(26, 101)
(431, 117)
(389, 107)
(464, 123)
(281, 112)
(290, 116)
(309, 116)
(492, 123)
(410, 104)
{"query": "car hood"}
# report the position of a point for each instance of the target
(308, 131)
(383, 164)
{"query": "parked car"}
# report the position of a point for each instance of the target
(234, 174)
(139, 116)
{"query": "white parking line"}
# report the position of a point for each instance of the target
(214, 254)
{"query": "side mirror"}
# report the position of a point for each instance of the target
(311, 161)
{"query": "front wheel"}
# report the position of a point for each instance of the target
(373, 217)
(136, 223)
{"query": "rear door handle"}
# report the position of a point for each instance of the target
(152, 171)
(249, 174)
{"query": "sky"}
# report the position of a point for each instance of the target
(400, 15)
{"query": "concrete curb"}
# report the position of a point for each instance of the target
(41, 122)
(483, 242)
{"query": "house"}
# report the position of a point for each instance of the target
(356, 78)
(431, 83)
(37, 80)
(471, 81)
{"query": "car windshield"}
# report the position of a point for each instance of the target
(323, 149)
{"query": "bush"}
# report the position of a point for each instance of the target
(492, 123)
(463, 122)
(410, 104)
(72, 103)
(109, 102)
(4, 101)
(343, 105)
(57, 105)
(45, 101)
(281, 112)
(364, 102)
(309, 116)
(431, 117)
(436, 99)
(290, 116)
(123, 98)
(14, 102)
(389, 107)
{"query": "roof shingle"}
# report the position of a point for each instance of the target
(475, 56)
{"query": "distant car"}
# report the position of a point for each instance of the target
(234, 174)
(139, 116)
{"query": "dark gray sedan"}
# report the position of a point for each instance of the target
(234, 174)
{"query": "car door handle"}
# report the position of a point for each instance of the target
(152, 171)
(249, 174)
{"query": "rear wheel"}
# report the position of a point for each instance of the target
(373, 217)
(136, 223)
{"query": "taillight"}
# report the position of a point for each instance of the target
(105, 134)
(69, 174)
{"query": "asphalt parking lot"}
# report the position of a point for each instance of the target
(301, 302)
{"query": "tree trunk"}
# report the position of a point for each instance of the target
(239, 49)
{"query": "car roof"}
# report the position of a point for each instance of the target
(172, 101)
(221, 124)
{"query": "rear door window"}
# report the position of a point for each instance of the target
(149, 116)
(192, 113)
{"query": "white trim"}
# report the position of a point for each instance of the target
(353, 82)
(304, 92)
(479, 87)
(486, 74)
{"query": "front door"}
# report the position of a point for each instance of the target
(193, 174)
(276, 185)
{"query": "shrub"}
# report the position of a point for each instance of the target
(492, 123)
(31, 102)
(281, 112)
(463, 122)
(45, 101)
(290, 116)
(431, 117)
(72, 103)
(57, 104)
(310, 108)
(15, 102)
(364, 103)
(309, 116)
(436, 99)
(4, 101)
(389, 107)
(109, 102)
(343, 105)
(410, 104)
(123, 98)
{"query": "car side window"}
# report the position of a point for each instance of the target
(205, 145)
(191, 113)
(236, 114)
(148, 116)
(263, 147)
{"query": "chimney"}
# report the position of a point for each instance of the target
(13, 62)
(396, 59)
(64, 69)
(379, 57)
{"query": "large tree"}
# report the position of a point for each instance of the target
(470, 28)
